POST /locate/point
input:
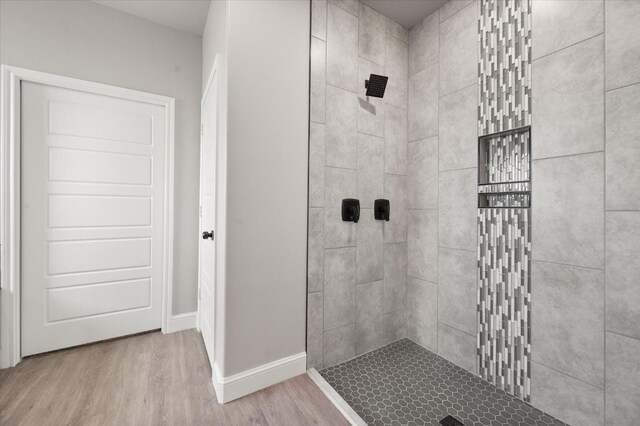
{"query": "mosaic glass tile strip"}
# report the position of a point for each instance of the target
(405, 384)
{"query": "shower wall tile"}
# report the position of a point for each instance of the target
(623, 148)
(569, 87)
(422, 244)
(315, 274)
(319, 19)
(341, 130)
(397, 63)
(342, 48)
(422, 313)
(423, 103)
(622, 272)
(370, 109)
(350, 6)
(372, 33)
(370, 327)
(566, 398)
(339, 345)
(458, 130)
(397, 30)
(318, 86)
(395, 187)
(314, 330)
(453, 6)
(457, 209)
(395, 277)
(370, 170)
(568, 320)
(395, 160)
(423, 44)
(457, 347)
(395, 326)
(623, 380)
(622, 43)
(568, 214)
(316, 164)
(457, 289)
(458, 52)
(339, 287)
(561, 23)
(422, 174)
(339, 184)
(369, 248)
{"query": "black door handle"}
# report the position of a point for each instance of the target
(206, 235)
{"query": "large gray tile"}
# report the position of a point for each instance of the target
(318, 85)
(458, 129)
(316, 164)
(395, 124)
(566, 398)
(339, 345)
(622, 272)
(319, 19)
(369, 248)
(372, 33)
(339, 287)
(568, 212)
(458, 55)
(622, 42)
(370, 170)
(350, 6)
(457, 347)
(340, 184)
(453, 6)
(568, 320)
(370, 109)
(397, 64)
(422, 313)
(314, 331)
(422, 174)
(568, 100)
(457, 289)
(423, 44)
(315, 268)
(395, 190)
(342, 48)
(560, 23)
(369, 316)
(395, 324)
(623, 380)
(623, 148)
(397, 30)
(342, 133)
(457, 208)
(422, 244)
(395, 277)
(423, 103)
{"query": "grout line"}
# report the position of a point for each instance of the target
(617, 88)
(456, 170)
(421, 279)
(456, 12)
(339, 168)
(457, 90)
(459, 249)
(567, 155)
(567, 264)
(568, 375)
(457, 329)
(622, 335)
(566, 47)
(604, 205)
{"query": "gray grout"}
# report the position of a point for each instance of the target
(565, 48)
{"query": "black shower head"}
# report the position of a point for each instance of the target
(376, 85)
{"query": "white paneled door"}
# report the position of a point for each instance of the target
(93, 173)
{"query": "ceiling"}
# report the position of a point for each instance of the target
(405, 12)
(184, 15)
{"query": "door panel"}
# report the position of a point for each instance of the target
(92, 217)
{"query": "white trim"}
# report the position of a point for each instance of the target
(11, 77)
(182, 322)
(352, 417)
(241, 384)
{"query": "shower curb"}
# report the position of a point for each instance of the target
(333, 396)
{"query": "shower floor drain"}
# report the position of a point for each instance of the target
(405, 384)
(451, 421)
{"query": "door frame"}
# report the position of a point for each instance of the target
(10, 194)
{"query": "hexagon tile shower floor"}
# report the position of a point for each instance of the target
(405, 384)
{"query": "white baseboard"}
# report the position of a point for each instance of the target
(349, 413)
(241, 384)
(183, 322)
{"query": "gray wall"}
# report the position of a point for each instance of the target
(358, 149)
(84, 40)
(586, 207)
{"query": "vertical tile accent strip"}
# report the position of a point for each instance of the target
(504, 195)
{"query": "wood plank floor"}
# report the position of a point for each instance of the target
(150, 379)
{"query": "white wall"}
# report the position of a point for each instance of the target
(84, 40)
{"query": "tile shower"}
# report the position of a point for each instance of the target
(419, 275)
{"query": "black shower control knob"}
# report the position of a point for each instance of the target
(208, 235)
